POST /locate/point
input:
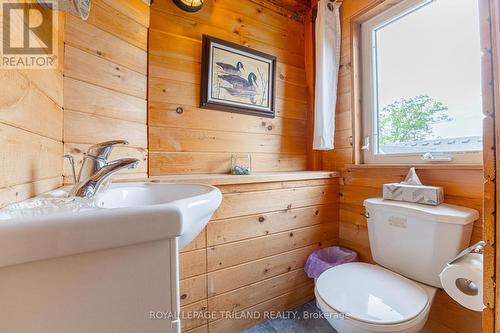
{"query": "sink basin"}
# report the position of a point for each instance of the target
(124, 214)
(196, 203)
(145, 194)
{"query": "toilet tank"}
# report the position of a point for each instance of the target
(416, 240)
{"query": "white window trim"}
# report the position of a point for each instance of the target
(369, 102)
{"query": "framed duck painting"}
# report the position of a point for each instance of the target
(237, 79)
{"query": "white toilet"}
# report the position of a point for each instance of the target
(413, 243)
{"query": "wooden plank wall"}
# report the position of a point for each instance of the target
(492, 229)
(31, 126)
(105, 81)
(251, 254)
(199, 140)
(462, 186)
(290, 8)
(490, 43)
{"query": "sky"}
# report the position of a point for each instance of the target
(435, 51)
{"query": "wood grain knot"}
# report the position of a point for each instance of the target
(262, 219)
(179, 110)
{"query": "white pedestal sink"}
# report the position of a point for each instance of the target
(112, 267)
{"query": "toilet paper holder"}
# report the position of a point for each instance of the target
(476, 248)
(466, 286)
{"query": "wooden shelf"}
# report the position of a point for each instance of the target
(227, 179)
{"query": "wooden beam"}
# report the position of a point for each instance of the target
(490, 321)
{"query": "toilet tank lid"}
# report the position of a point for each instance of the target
(442, 213)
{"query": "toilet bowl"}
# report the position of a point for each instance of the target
(365, 298)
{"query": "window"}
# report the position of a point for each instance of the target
(421, 80)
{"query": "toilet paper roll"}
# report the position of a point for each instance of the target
(463, 281)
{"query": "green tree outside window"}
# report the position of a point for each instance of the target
(411, 119)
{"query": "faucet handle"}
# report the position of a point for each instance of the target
(71, 160)
(102, 150)
(89, 187)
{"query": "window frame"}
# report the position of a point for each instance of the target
(368, 146)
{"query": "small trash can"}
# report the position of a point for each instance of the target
(323, 259)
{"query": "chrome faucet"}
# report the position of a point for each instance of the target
(96, 169)
(89, 187)
(96, 158)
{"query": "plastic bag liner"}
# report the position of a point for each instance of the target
(323, 259)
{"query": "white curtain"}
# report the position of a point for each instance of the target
(327, 68)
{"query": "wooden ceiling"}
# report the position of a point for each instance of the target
(291, 8)
(292, 5)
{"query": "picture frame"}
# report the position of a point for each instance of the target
(237, 79)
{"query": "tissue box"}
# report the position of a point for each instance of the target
(428, 195)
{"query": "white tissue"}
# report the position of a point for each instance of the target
(412, 178)
(469, 267)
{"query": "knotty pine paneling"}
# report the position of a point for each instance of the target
(251, 255)
(117, 18)
(165, 115)
(491, 123)
(105, 81)
(216, 163)
(200, 140)
(291, 8)
(490, 23)
(254, 293)
(250, 226)
(31, 125)
(90, 38)
(300, 295)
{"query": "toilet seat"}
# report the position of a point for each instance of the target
(372, 294)
(348, 325)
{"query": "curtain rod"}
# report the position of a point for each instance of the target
(314, 8)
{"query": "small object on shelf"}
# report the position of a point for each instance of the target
(241, 164)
